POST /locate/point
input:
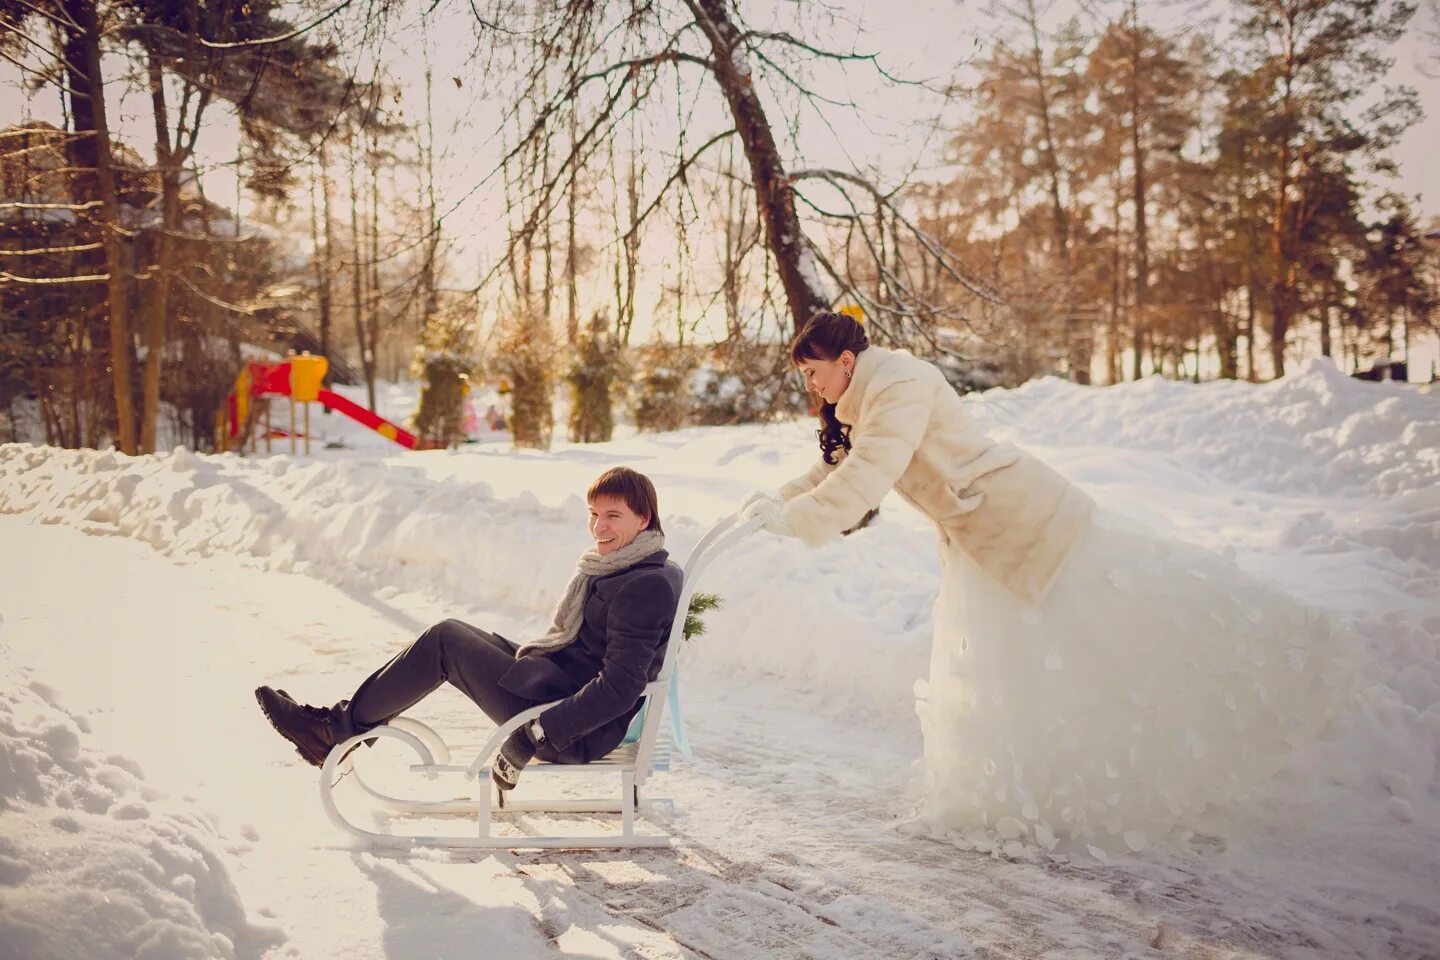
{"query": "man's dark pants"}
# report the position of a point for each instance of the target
(470, 659)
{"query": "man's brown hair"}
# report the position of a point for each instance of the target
(634, 488)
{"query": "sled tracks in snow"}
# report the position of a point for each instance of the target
(924, 900)
(720, 909)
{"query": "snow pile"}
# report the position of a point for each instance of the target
(358, 522)
(1315, 431)
(93, 863)
(387, 527)
(1323, 465)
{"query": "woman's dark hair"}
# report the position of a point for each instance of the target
(824, 337)
(634, 488)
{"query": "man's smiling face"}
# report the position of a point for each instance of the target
(613, 524)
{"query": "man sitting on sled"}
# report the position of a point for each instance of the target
(606, 643)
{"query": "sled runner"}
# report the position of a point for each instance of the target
(631, 763)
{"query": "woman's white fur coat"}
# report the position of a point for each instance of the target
(1016, 518)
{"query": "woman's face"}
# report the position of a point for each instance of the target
(828, 378)
(613, 524)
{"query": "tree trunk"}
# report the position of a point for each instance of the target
(1224, 326)
(327, 277)
(1114, 365)
(1142, 233)
(624, 245)
(1281, 309)
(1225, 346)
(373, 304)
(1282, 251)
(1060, 222)
(572, 293)
(1250, 330)
(1405, 337)
(775, 195)
(87, 105)
(431, 304)
(357, 274)
(734, 250)
(316, 264)
(681, 259)
(1325, 308)
(49, 419)
(632, 244)
(164, 254)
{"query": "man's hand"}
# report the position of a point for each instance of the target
(772, 511)
(517, 750)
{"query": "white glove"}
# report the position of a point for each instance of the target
(754, 497)
(772, 511)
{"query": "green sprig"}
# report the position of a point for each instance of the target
(700, 604)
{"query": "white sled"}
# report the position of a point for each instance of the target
(632, 762)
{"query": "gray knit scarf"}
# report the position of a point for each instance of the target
(571, 608)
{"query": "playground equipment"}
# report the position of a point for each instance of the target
(299, 379)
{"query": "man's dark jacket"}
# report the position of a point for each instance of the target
(619, 648)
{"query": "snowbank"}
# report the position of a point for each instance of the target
(851, 622)
(93, 863)
(1316, 431)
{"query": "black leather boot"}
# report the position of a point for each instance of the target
(310, 729)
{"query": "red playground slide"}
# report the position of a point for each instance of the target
(300, 379)
(370, 419)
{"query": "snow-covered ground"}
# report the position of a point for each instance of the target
(147, 809)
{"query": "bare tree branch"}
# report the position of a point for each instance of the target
(7, 277)
(791, 40)
(40, 75)
(213, 300)
(49, 51)
(585, 146)
(42, 251)
(22, 205)
(679, 174)
(947, 260)
(44, 131)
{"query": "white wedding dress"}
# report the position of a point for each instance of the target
(1155, 678)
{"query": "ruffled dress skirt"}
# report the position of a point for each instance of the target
(1156, 678)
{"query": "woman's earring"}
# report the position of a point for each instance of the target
(849, 373)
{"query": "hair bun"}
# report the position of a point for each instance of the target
(826, 335)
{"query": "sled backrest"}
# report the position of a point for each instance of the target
(727, 532)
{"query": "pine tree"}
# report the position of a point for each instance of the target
(1314, 61)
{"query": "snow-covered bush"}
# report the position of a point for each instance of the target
(443, 362)
(743, 382)
(661, 398)
(598, 368)
(526, 358)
